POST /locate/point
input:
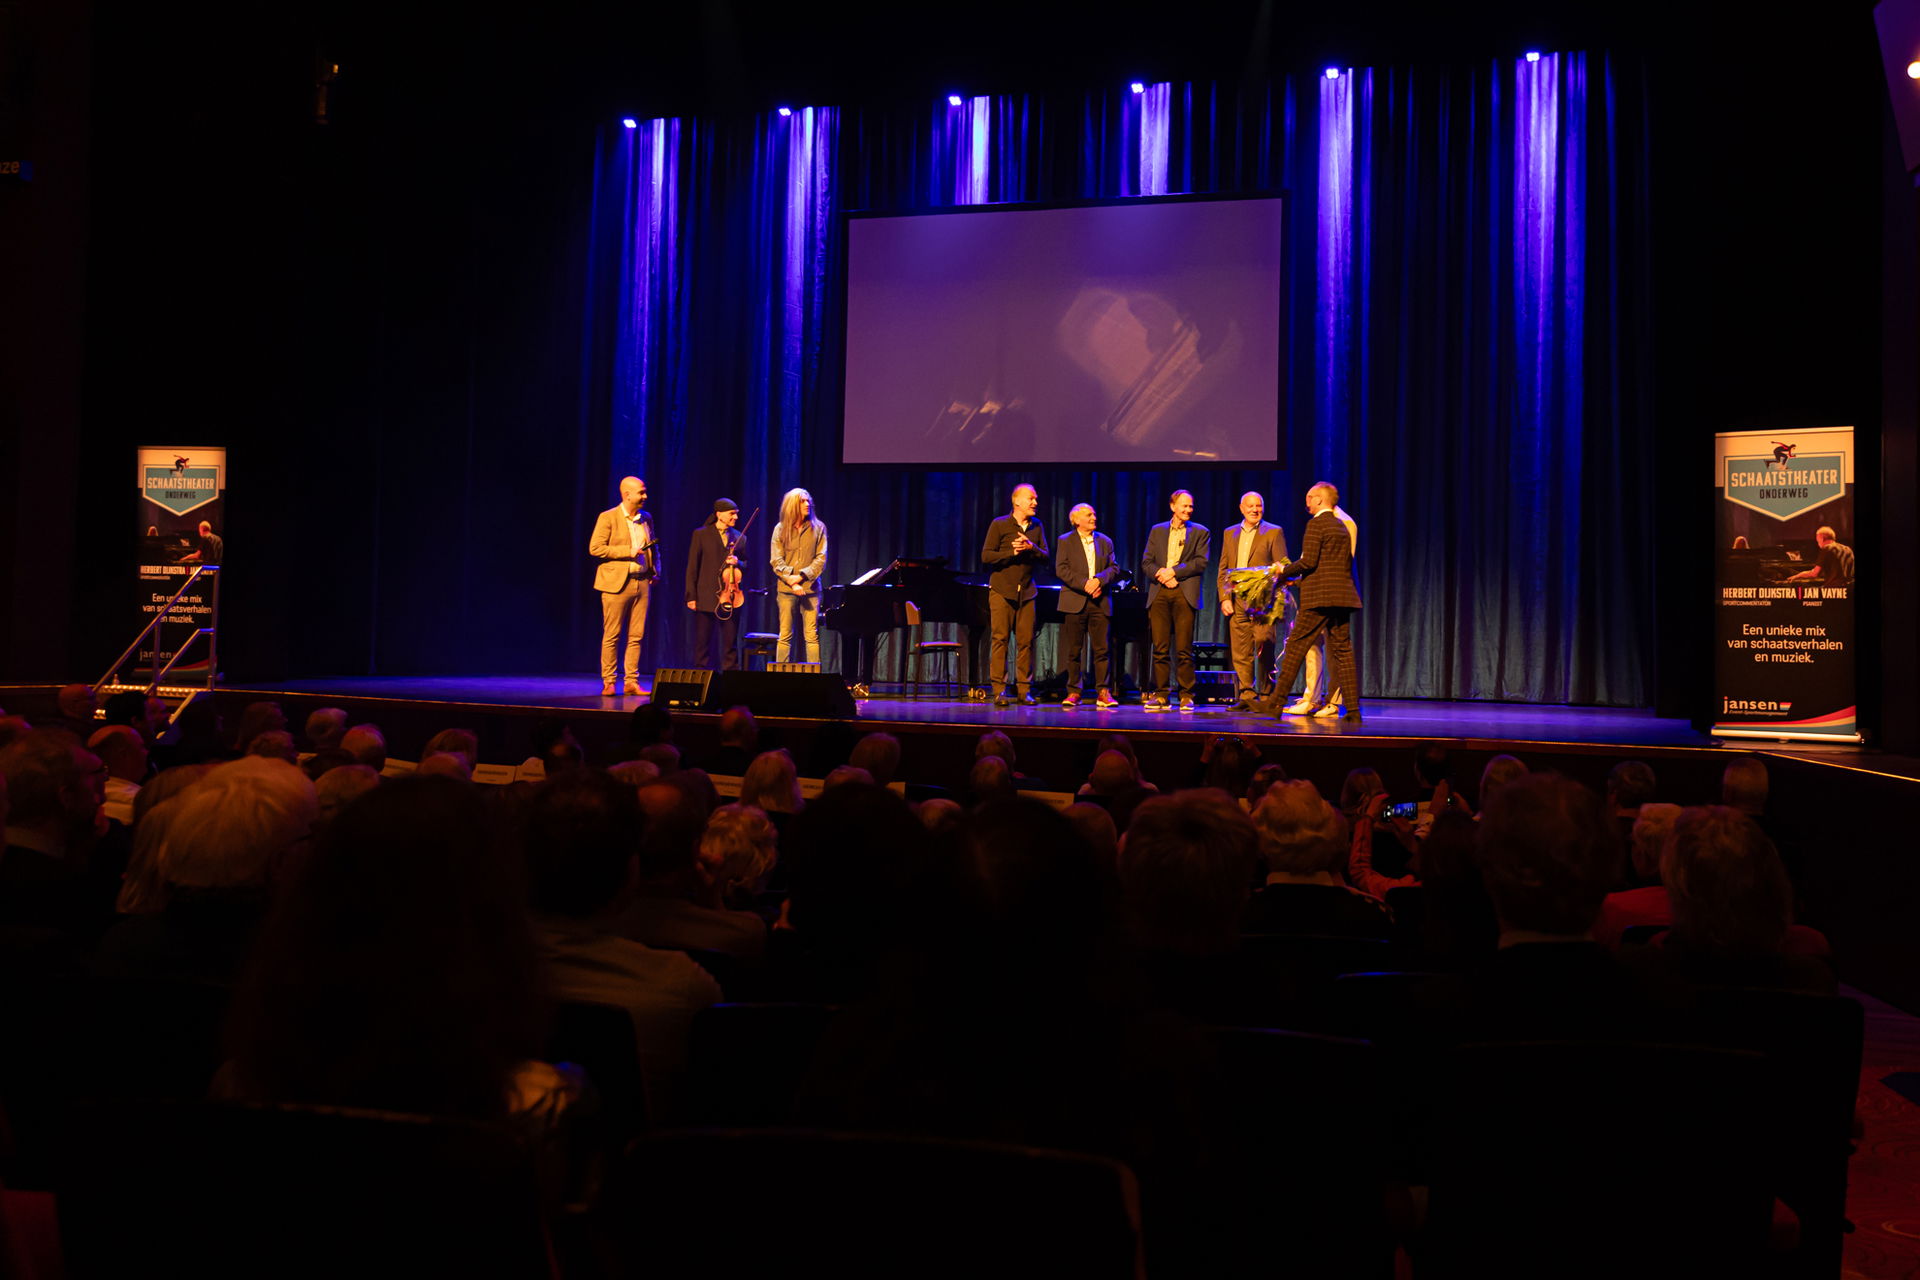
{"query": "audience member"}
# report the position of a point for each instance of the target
(555, 749)
(1185, 864)
(367, 745)
(226, 839)
(844, 774)
(56, 788)
(145, 716)
(340, 787)
(1263, 779)
(1630, 784)
(124, 752)
(1646, 904)
(772, 784)
(325, 727)
(12, 727)
(997, 744)
(1378, 860)
(1303, 844)
(1227, 764)
(1115, 786)
(652, 722)
(738, 850)
(1733, 908)
(447, 764)
(76, 705)
(663, 756)
(990, 781)
(1096, 827)
(1458, 927)
(1118, 742)
(739, 743)
(143, 889)
(583, 847)
(325, 760)
(678, 904)
(258, 718)
(275, 744)
(879, 755)
(399, 973)
(940, 816)
(635, 773)
(1501, 771)
(464, 743)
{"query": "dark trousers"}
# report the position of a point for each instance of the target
(1010, 618)
(1306, 629)
(1075, 628)
(1171, 619)
(714, 640)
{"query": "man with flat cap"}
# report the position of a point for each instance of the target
(714, 548)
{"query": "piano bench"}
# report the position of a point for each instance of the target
(944, 652)
(758, 644)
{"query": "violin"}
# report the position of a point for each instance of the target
(731, 594)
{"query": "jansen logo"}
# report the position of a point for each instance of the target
(1753, 705)
(1784, 487)
(180, 488)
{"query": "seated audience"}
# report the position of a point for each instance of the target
(447, 764)
(1303, 845)
(124, 752)
(940, 815)
(738, 850)
(1630, 784)
(844, 774)
(340, 787)
(274, 744)
(226, 839)
(1458, 927)
(1096, 827)
(651, 722)
(398, 973)
(1115, 786)
(143, 888)
(464, 743)
(1378, 860)
(325, 727)
(325, 759)
(1227, 763)
(1733, 908)
(76, 705)
(145, 716)
(772, 784)
(367, 745)
(49, 877)
(663, 756)
(990, 781)
(635, 773)
(555, 749)
(1648, 903)
(1263, 779)
(995, 743)
(678, 903)
(583, 835)
(258, 718)
(879, 755)
(1185, 864)
(739, 743)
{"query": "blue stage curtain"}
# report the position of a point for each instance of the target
(1468, 303)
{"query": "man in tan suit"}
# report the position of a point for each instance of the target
(623, 544)
(1249, 544)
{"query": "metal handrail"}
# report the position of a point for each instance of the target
(159, 616)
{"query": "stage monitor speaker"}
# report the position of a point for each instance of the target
(811, 694)
(684, 688)
(1213, 688)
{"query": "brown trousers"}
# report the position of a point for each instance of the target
(626, 608)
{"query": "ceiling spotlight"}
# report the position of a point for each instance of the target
(786, 111)
(1913, 71)
(1533, 55)
(953, 99)
(1137, 87)
(1333, 73)
(630, 122)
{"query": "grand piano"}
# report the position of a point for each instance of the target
(875, 604)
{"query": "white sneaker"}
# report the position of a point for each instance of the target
(1300, 708)
(1330, 709)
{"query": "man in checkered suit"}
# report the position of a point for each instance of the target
(1328, 601)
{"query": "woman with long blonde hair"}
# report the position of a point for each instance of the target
(799, 557)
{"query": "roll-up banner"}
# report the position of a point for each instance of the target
(1785, 580)
(182, 524)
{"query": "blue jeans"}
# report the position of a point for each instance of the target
(808, 607)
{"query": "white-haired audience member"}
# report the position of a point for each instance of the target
(325, 727)
(464, 743)
(258, 718)
(1303, 843)
(1646, 904)
(228, 838)
(879, 755)
(124, 752)
(56, 788)
(143, 889)
(772, 784)
(365, 743)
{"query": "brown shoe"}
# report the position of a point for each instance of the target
(633, 688)
(606, 690)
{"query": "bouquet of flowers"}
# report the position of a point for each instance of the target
(1257, 590)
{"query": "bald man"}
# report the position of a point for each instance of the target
(623, 544)
(1014, 545)
(1248, 545)
(124, 752)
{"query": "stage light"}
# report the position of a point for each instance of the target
(1533, 55)
(630, 122)
(1333, 73)
(1137, 87)
(786, 111)
(953, 99)
(1913, 71)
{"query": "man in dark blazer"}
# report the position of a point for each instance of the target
(1328, 600)
(1248, 545)
(1013, 547)
(712, 550)
(1174, 563)
(1083, 561)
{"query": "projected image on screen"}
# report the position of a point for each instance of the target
(1133, 333)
